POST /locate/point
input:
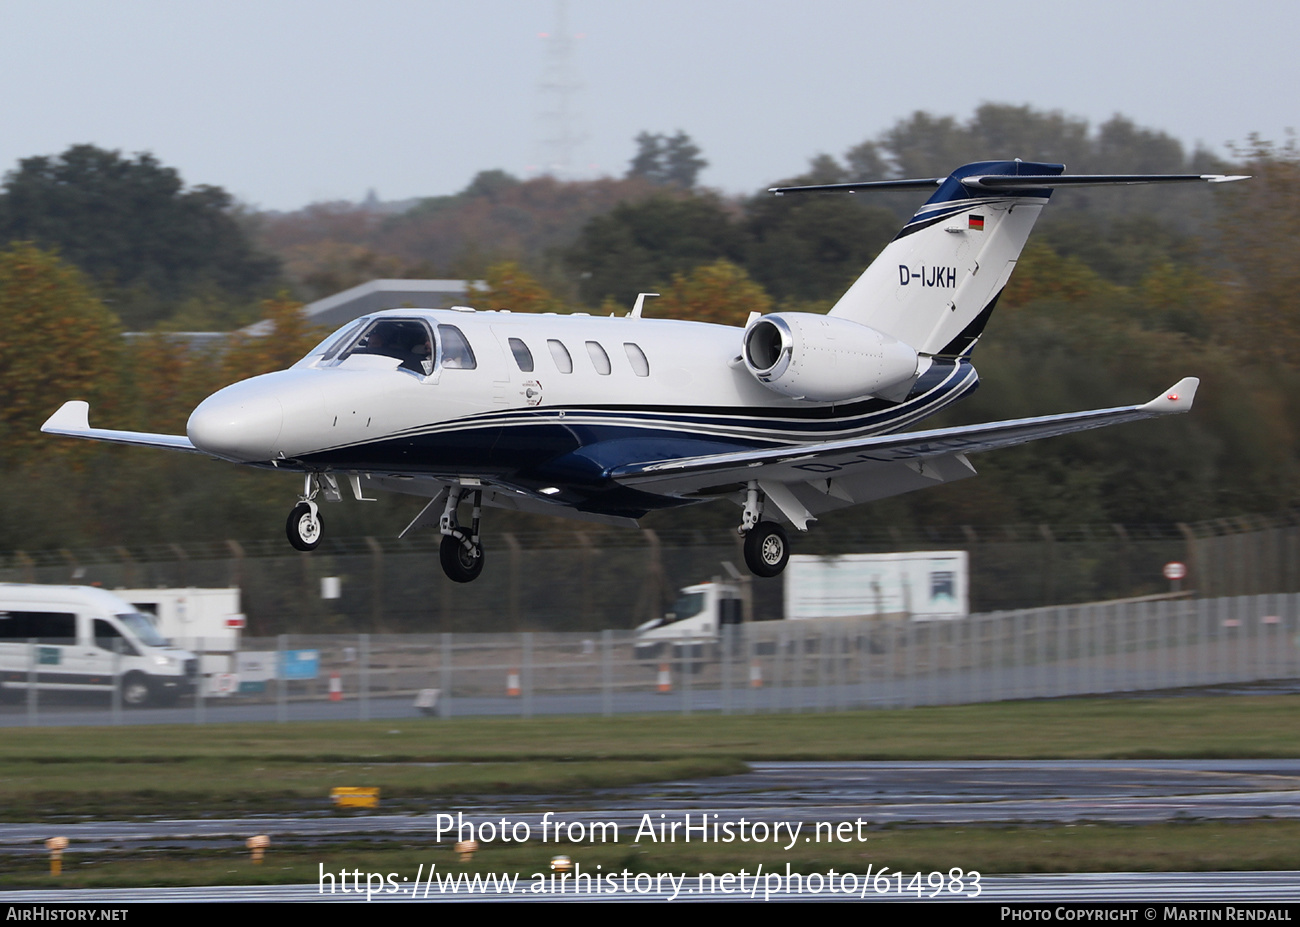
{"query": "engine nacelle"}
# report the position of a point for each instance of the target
(824, 359)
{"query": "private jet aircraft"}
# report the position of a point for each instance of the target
(606, 419)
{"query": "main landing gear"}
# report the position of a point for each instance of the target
(767, 549)
(461, 554)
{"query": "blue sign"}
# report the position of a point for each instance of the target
(300, 664)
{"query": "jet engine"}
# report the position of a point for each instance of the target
(824, 359)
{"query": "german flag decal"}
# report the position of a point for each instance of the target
(977, 223)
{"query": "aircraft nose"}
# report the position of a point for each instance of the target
(237, 424)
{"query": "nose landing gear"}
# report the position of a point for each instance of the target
(305, 525)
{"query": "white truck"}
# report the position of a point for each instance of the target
(206, 621)
(84, 639)
(919, 585)
(694, 622)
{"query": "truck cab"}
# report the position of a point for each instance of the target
(693, 624)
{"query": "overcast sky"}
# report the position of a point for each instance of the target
(286, 102)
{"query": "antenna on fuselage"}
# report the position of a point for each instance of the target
(639, 305)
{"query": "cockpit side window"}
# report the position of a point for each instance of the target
(406, 340)
(456, 352)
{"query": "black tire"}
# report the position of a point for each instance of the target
(767, 549)
(457, 562)
(136, 691)
(303, 531)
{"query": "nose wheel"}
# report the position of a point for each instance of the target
(304, 526)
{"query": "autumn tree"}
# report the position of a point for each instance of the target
(57, 342)
(1260, 230)
(718, 292)
(507, 286)
(281, 339)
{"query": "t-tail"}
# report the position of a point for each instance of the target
(935, 285)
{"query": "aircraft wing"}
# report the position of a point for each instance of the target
(806, 479)
(73, 420)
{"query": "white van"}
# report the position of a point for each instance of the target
(83, 639)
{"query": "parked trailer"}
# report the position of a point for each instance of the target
(206, 621)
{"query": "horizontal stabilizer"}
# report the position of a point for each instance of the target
(1014, 182)
(73, 420)
(1003, 181)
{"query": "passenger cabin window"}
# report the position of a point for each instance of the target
(636, 357)
(406, 340)
(455, 350)
(560, 354)
(45, 627)
(523, 356)
(599, 359)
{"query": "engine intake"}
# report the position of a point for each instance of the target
(824, 359)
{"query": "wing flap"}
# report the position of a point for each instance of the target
(72, 420)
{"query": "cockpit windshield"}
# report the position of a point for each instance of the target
(406, 340)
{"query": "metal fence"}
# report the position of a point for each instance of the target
(776, 666)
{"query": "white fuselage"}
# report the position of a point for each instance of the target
(640, 389)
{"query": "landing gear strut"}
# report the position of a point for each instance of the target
(304, 524)
(767, 549)
(461, 554)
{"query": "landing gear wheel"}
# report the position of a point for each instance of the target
(460, 565)
(303, 527)
(767, 550)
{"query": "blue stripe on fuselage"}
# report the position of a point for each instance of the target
(576, 446)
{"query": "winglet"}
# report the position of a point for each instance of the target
(1178, 398)
(72, 420)
(73, 416)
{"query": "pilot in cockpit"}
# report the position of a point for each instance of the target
(405, 341)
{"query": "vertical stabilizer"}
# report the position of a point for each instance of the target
(934, 286)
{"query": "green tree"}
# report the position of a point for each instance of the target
(133, 226)
(667, 160)
(624, 251)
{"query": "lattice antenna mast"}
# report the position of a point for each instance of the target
(561, 135)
